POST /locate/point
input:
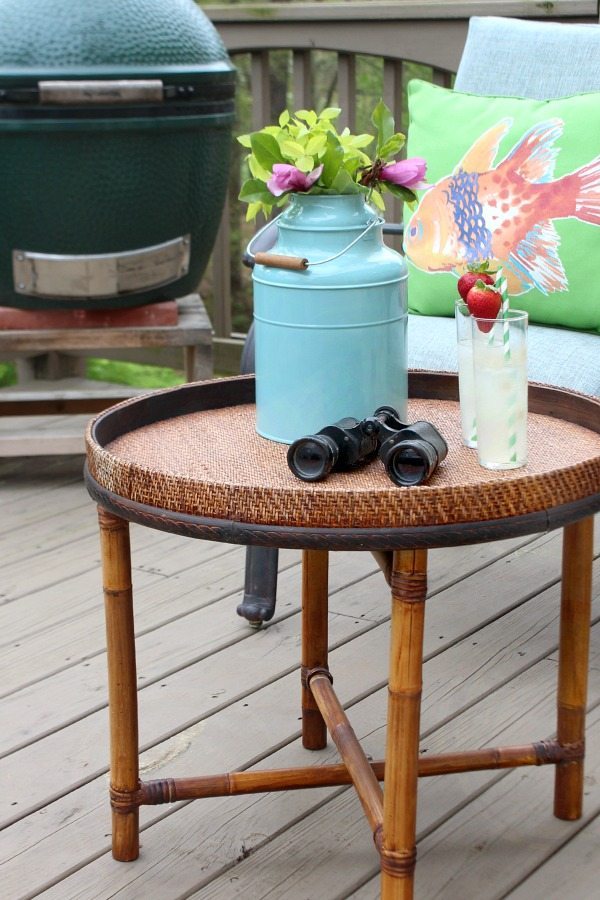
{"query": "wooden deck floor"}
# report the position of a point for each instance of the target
(216, 695)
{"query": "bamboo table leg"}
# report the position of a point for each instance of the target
(314, 641)
(122, 687)
(398, 839)
(575, 614)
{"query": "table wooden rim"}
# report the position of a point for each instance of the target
(232, 532)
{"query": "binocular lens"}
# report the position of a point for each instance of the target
(312, 458)
(411, 463)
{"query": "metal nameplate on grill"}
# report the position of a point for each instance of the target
(101, 275)
(149, 90)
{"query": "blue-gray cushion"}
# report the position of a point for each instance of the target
(557, 356)
(518, 58)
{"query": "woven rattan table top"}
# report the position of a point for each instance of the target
(171, 452)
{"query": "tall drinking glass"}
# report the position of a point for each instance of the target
(500, 380)
(466, 385)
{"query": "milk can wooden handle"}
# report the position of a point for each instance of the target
(278, 261)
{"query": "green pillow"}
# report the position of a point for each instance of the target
(513, 180)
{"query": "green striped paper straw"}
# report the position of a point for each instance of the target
(501, 286)
(474, 430)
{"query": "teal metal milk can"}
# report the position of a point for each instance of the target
(330, 333)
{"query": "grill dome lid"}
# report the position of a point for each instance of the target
(109, 39)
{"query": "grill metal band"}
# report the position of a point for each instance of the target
(100, 275)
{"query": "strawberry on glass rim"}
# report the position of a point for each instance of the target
(478, 272)
(483, 302)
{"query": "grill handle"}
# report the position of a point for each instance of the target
(90, 93)
(76, 93)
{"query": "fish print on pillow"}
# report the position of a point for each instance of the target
(513, 181)
(505, 211)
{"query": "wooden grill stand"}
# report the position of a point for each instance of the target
(392, 813)
(187, 344)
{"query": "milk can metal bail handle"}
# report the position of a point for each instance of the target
(278, 261)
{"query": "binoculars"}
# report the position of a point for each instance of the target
(410, 453)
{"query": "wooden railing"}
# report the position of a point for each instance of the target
(399, 34)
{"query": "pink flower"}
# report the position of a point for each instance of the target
(408, 173)
(289, 178)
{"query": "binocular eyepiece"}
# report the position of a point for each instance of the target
(410, 453)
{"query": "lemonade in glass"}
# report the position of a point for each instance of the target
(499, 348)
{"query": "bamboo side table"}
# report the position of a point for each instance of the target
(188, 461)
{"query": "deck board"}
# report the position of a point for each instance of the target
(553, 879)
(214, 695)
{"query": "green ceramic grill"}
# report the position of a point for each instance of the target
(115, 133)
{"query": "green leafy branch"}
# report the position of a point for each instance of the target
(307, 140)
